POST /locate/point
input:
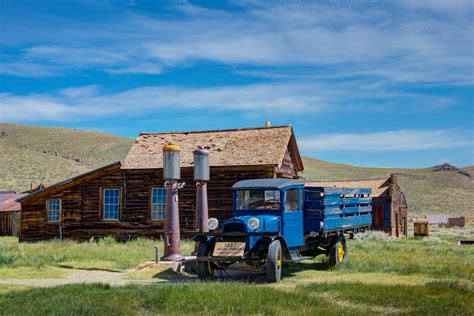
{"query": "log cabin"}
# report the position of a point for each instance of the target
(389, 205)
(127, 199)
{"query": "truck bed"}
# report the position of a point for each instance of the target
(330, 209)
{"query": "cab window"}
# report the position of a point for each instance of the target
(291, 203)
(258, 200)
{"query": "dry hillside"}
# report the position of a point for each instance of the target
(427, 191)
(31, 154)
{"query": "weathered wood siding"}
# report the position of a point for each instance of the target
(287, 168)
(9, 223)
(81, 204)
(399, 210)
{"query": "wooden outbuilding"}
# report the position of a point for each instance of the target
(389, 205)
(9, 213)
(126, 199)
(421, 227)
(447, 221)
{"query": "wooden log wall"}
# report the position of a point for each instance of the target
(287, 168)
(81, 217)
(9, 223)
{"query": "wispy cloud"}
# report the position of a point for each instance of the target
(423, 41)
(399, 140)
(263, 99)
(85, 102)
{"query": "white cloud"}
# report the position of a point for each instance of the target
(264, 99)
(401, 42)
(80, 103)
(400, 140)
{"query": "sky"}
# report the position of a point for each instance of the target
(369, 83)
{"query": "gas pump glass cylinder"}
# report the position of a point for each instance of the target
(201, 164)
(171, 167)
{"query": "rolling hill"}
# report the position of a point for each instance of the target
(34, 154)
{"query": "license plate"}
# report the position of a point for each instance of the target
(229, 249)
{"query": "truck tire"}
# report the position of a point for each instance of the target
(205, 269)
(274, 262)
(338, 251)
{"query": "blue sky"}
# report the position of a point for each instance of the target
(371, 83)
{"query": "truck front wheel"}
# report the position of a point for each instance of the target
(274, 262)
(205, 269)
(338, 251)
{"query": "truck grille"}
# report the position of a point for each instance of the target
(234, 228)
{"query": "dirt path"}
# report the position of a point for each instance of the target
(121, 278)
(83, 276)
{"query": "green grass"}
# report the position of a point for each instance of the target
(432, 276)
(217, 298)
(45, 259)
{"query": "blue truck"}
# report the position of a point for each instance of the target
(280, 221)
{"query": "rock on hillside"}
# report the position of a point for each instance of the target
(447, 167)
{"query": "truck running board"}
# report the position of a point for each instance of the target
(296, 257)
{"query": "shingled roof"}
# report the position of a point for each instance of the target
(232, 147)
(8, 202)
(379, 186)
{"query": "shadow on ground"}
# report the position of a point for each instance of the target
(242, 273)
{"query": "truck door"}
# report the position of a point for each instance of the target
(293, 217)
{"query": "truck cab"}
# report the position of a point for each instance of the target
(270, 227)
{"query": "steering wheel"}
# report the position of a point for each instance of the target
(270, 202)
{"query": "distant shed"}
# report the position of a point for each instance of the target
(446, 220)
(389, 204)
(421, 227)
(9, 213)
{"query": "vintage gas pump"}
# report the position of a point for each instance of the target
(201, 176)
(171, 175)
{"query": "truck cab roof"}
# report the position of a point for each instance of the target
(265, 184)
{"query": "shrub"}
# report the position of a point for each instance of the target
(373, 235)
(6, 259)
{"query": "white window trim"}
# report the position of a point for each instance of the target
(151, 205)
(60, 210)
(103, 189)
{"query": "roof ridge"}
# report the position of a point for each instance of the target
(215, 130)
(69, 180)
(350, 180)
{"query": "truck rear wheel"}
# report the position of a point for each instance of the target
(274, 262)
(338, 251)
(205, 269)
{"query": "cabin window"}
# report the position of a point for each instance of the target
(54, 210)
(111, 204)
(291, 203)
(158, 204)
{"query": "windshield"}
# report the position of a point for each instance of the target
(258, 200)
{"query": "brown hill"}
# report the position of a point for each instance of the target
(34, 154)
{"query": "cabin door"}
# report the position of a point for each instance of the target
(293, 230)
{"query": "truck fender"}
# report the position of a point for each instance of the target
(285, 250)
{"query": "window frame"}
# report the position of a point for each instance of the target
(239, 200)
(102, 206)
(298, 208)
(60, 210)
(150, 204)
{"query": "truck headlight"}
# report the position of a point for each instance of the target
(212, 223)
(253, 223)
